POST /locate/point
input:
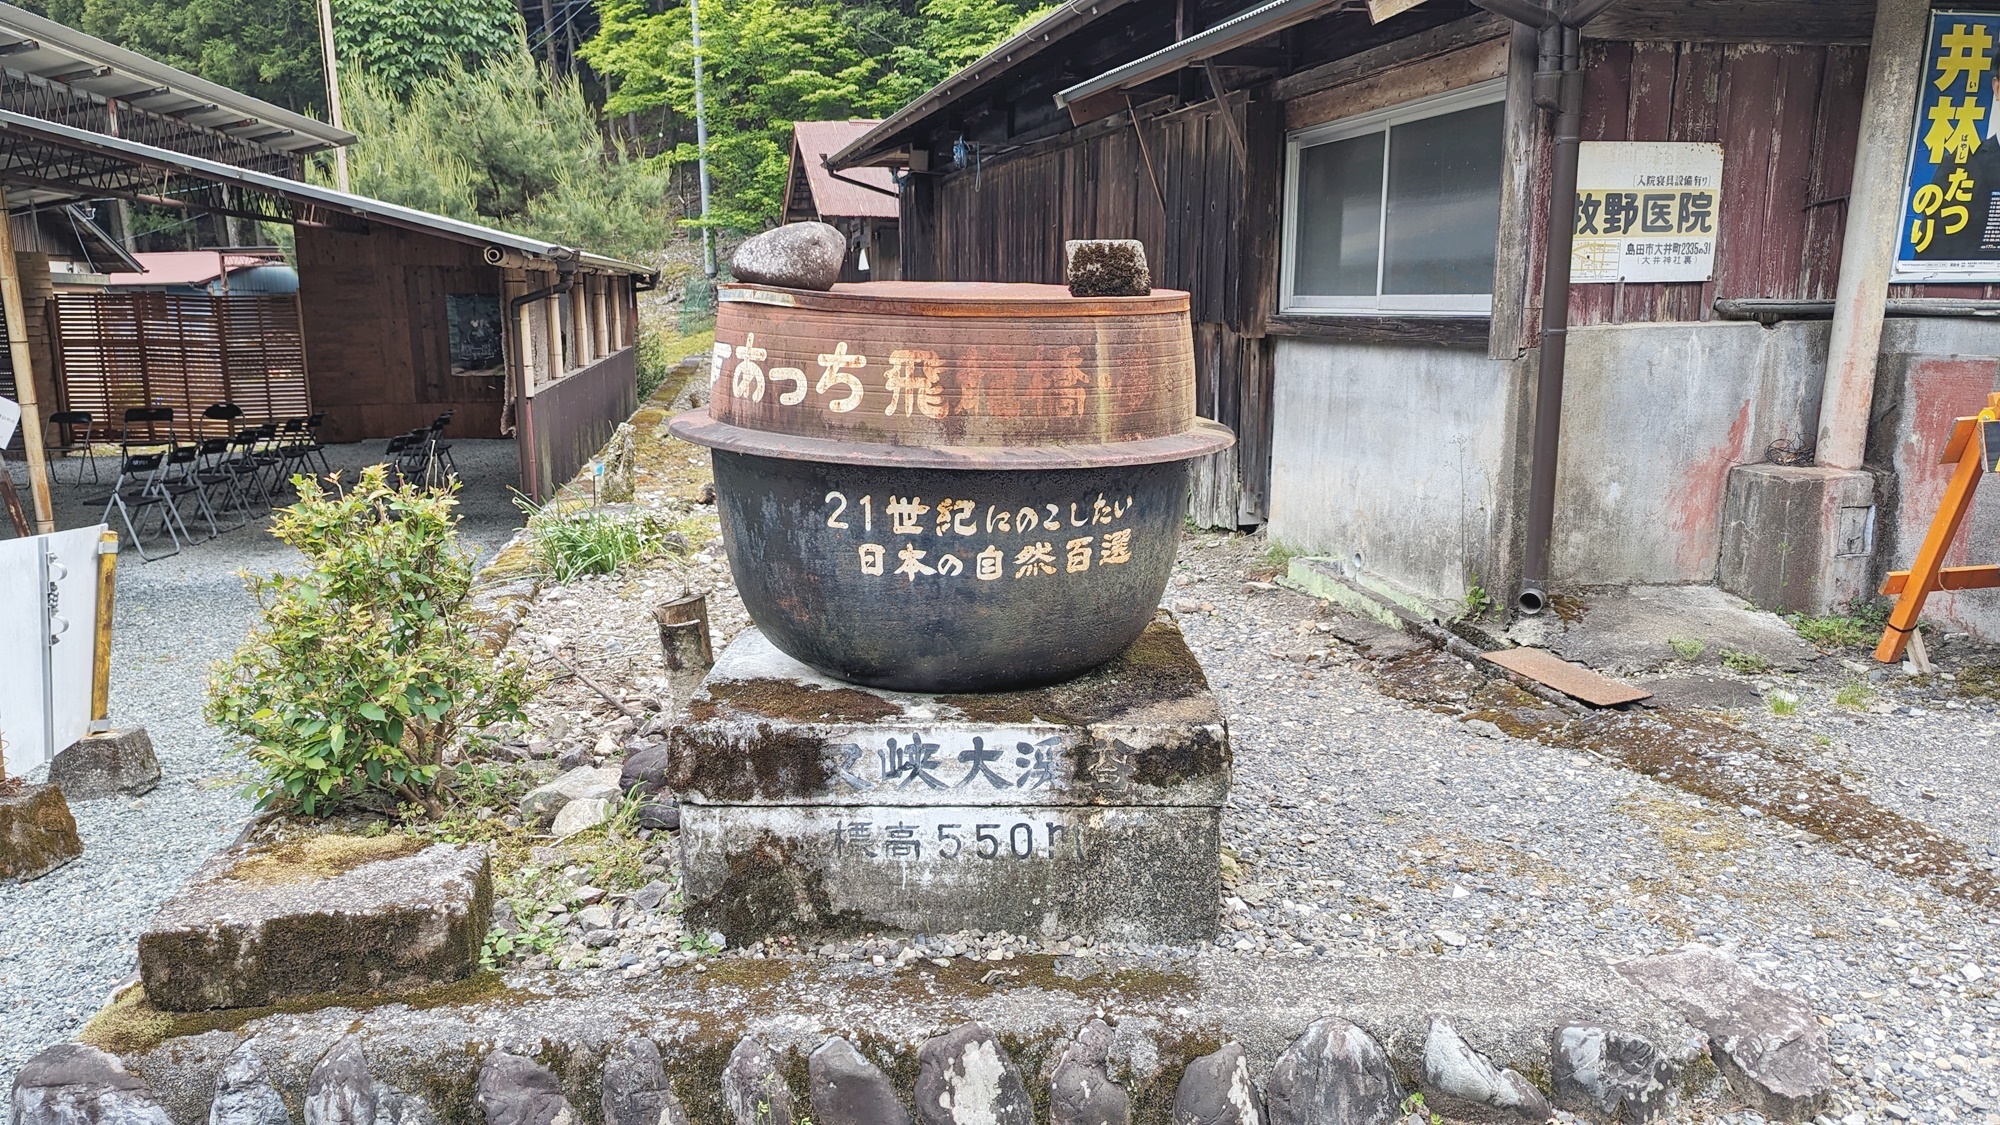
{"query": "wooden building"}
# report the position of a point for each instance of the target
(863, 202)
(1359, 211)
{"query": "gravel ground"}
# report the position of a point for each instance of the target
(68, 939)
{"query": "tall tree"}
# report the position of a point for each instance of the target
(403, 42)
(268, 49)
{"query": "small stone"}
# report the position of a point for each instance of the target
(119, 762)
(518, 1091)
(580, 816)
(753, 1089)
(1482, 728)
(660, 816)
(1216, 1089)
(793, 256)
(594, 918)
(587, 894)
(1454, 1069)
(1971, 972)
(1106, 267)
(582, 783)
(1450, 937)
(650, 896)
(74, 1084)
(1334, 1072)
(1082, 1093)
(644, 771)
(635, 1087)
(1621, 1076)
(244, 1094)
(37, 832)
(847, 1089)
(964, 1077)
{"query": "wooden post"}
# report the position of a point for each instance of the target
(107, 588)
(24, 372)
(685, 641)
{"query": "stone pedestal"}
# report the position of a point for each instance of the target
(1798, 538)
(1092, 807)
(37, 832)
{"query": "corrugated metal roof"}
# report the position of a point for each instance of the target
(839, 196)
(83, 140)
(187, 267)
(43, 48)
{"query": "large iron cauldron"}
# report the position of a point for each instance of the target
(951, 487)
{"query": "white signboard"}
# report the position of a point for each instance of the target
(48, 631)
(10, 417)
(1646, 211)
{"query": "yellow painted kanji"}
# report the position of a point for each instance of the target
(1967, 50)
(1954, 129)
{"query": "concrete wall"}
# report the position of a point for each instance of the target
(1397, 461)
(1654, 416)
(1933, 371)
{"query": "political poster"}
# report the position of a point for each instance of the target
(1646, 211)
(1950, 228)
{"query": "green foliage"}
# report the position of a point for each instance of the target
(1687, 648)
(1478, 603)
(1860, 626)
(268, 49)
(1783, 704)
(572, 543)
(364, 666)
(400, 43)
(504, 145)
(768, 63)
(1854, 695)
(1748, 663)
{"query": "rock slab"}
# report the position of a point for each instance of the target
(37, 832)
(847, 1089)
(964, 1077)
(1611, 1073)
(1765, 1041)
(231, 940)
(793, 256)
(1453, 1068)
(1217, 1089)
(115, 763)
(1334, 1072)
(73, 1084)
(635, 1087)
(1082, 1092)
(244, 1094)
(520, 1091)
(753, 1088)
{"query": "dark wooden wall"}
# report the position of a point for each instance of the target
(1209, 228)
(377, 344)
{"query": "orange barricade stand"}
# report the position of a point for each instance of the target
(1975, 449)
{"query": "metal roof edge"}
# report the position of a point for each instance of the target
(1253, 23)
(359, 205)
(1027, 44)
(64, 37)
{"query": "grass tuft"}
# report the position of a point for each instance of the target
(1854, 695)
(1748, 663)
(578, 542)
(1687, 648)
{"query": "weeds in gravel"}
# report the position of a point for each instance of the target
(1688, 649)
(1783, 704)
(1860, 626)
(584, 541)
(1854, 695)
(1748, 663)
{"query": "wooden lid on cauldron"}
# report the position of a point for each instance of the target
(952, 374)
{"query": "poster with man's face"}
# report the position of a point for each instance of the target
(1950, 229)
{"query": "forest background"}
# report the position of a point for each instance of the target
(459, 111)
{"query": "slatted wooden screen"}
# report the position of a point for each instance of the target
(123, 350)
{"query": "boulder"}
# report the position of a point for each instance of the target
(331, 914)
(244, 1094)
(964, 1077)
(1610, 1073)
(1082, 1093)
(115, 763)
(73, 1084)
(793, 256)
(645, 770)
(635, 1086)
(621, 456)
(847, 1089)
(753, 1089)
(519, 1091)
(1216, 1089)
(1454, 1069)
(578, 816)
(584, 783)
(37, 833)
(1769, 1048)
(1106, 267)
(341, 1091)
(1334, 1072)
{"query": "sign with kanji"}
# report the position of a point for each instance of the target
(1950, 226)
(1646, 211)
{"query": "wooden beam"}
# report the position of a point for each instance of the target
(1438, 331)
(1514, 243)
(1737, 21)
(1466, 66)
(24, 373)
(1984, 577)
(1415, 48)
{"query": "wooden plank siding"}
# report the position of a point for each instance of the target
(1208, 229)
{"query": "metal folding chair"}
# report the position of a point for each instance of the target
(81, 435)
(135, 490)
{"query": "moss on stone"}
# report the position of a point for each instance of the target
(1157, 668)
(37, 832)
(130, 1024)
(786, 699)
(311, 858)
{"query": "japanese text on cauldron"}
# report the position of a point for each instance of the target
(909, 383)
(956, 525)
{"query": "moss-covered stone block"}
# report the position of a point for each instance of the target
(37, 833)
(330, 914)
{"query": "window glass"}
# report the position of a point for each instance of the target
(1339, 217)
(1444, 203)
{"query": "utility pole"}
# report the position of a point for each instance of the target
(701, 144)
(333, 114)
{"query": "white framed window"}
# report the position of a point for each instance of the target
(1396, 211)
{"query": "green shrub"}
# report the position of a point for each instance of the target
(1687, 648)
(1860, 626)
(1748, 663)
(572, 544)
(1854, 695)
(364, 667)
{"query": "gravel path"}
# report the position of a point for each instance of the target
(69, 939)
